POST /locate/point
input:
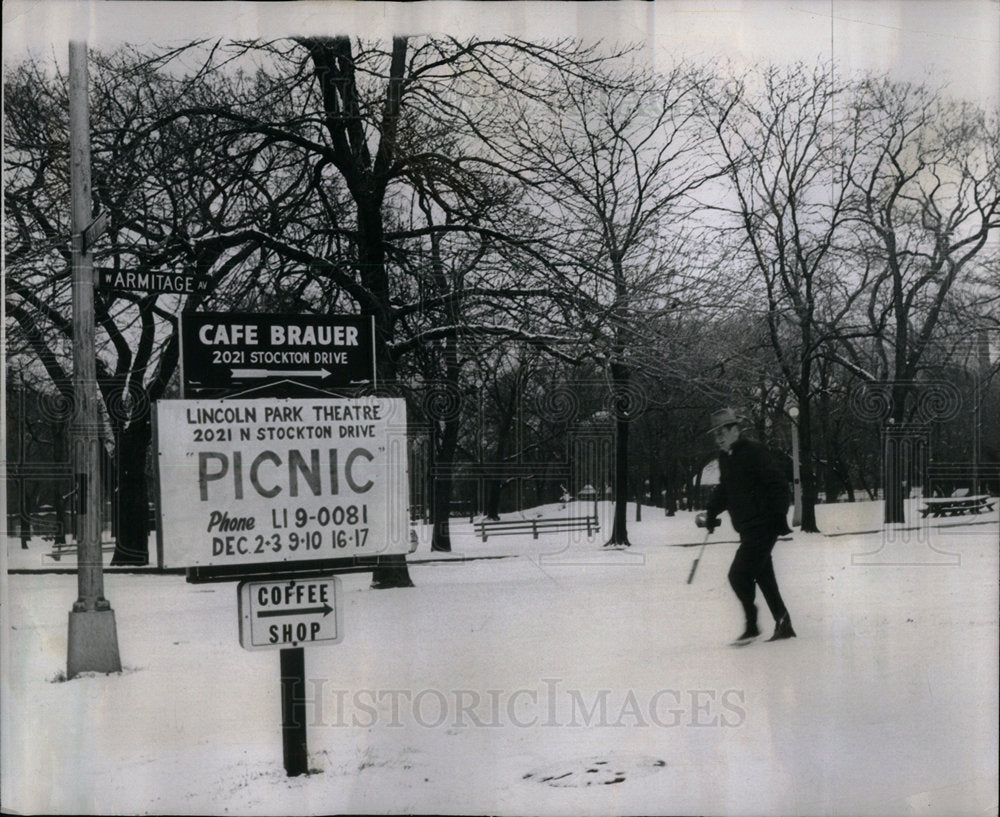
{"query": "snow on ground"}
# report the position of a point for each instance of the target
(505, 685)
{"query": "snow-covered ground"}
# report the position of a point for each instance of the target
(507, 685)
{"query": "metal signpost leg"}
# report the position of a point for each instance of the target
(293, 711)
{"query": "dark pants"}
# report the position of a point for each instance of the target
(752, 566)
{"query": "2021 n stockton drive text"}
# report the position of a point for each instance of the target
(252, 481)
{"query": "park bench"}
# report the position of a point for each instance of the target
(503, 527)
(456, 508)
(70, 549)
(957, 505)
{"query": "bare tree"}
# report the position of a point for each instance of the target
(367, 118)
(611, 163)
(789, 144)
(928, 196)
(175, 191)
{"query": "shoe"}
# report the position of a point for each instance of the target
(783, 629)
(749, 634)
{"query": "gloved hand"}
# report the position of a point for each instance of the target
(703, 521)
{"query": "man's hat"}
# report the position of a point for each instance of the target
(723, 417)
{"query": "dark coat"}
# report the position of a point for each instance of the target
(752, 488)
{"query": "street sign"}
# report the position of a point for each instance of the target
(281, 480)
(290, 613)
(225, 351)
(179, 283)
(94, 231)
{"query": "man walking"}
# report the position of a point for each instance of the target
(754, 490)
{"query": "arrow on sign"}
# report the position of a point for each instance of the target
(326, 609)
(243, 373)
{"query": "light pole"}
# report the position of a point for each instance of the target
(93, 637)
(793, 412)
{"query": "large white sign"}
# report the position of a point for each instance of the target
(276, 480)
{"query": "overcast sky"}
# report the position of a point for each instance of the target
(956, 42)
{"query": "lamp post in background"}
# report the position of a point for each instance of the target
(793, 412)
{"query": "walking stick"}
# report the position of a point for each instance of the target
(694, 566)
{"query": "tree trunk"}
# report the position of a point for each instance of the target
(494, 488)
(132, 545)
(25, 521)
(492, 509)
(892, 465)
(619, 528)
(867, 485)
(391, 571)
(844, 475)
(440, 515)
(809, 488)
(59, 502)
(831, 478)
(442, 488)
(670, 480)
(831, 486)
(366, 180)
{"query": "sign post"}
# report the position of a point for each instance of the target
(288, 615)
(294, 742)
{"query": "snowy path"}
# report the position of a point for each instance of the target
(459, 695)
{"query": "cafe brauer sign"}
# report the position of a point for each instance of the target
(274, 480)
(225, 351)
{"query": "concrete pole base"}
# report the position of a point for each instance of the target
(93, 643)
